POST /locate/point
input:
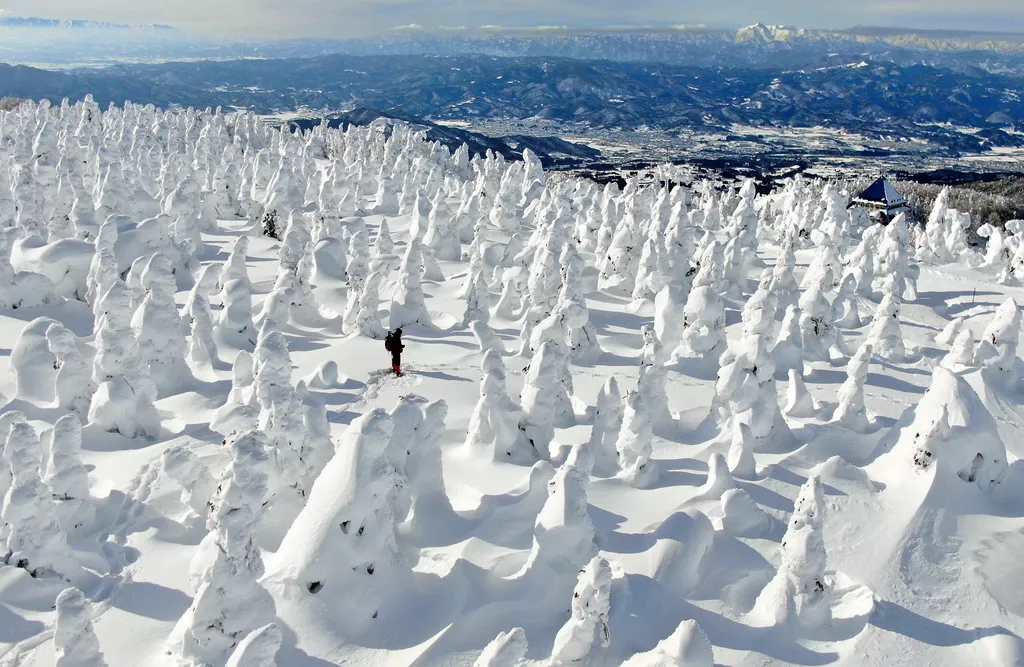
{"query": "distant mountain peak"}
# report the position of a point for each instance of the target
(73, 24)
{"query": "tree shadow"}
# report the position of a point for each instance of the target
(144, 598)
(892, 617)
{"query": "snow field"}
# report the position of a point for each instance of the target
(641, 426)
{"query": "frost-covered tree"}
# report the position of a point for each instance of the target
(950, 332)
(669, 304)
(494, 422)
(652, 379)
(230, 602)
(740, 459)
(73, 386)
(845, 312)
(367, 319)
(688, 646)
(124, 397)
(850, 412)
(745, 390)
(241, 411)
(478, 301)
(635, 443)
(407, 303)
(788, 351)
(202, 348)
(799, 402)
(157, 327)
(74, 639)
(320, 447)
(798, 595)
(885, 334)
(961, 352)
(35, 540)
(383, 244)
(508, 649)
(758, 315)
(442, 236)
(66, 475)
(587, 627)
(258, 649)
(197, 483)
(563, 535)
(544, 397)
(997, 349)
(604, 434)
(342, 546)
(703, 324)
(818, 335)
(281, 415)
(235, 328)
(486, 339)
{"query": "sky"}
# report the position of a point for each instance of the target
(357, 18)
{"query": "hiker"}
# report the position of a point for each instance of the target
(393, 344)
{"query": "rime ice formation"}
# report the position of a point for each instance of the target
(798, 595)
(73, 636)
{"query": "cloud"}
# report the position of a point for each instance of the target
(352, 18)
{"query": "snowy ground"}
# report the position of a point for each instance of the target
(922, 567)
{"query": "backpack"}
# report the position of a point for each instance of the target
(387, 342)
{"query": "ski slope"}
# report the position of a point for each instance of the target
(801, 460)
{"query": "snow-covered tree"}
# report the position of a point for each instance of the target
(604, 434)
(494, 422)
(799, 402)
(230, 602)
(799, 592)
(201, 354)
(73, 386)
(508, 649)
(688, 646)
(74, 639)
(66, 475)
(788, 351)
(950, 332)
(740, 459)
(407, 303)
(669, 304)
(635, 443)
(563, 535)
(157, 327)
(745, 390)
(197, 483)
(885, 334)
(817, 332)
(543, 396)
(703, 324)
(587, 627)
(342, 546)
(235, 328)
(652, 378)
(258, 649)
(997, 349)
(281, 415)
(850, 411)
(845, 312)
(124, 398)
(383, 244)
(961, 352)
(367, 318)
(35, 540)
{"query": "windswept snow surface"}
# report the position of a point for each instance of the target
(418, 546)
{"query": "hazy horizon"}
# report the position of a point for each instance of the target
(366, 18)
